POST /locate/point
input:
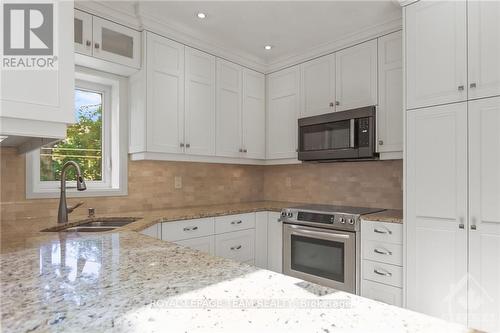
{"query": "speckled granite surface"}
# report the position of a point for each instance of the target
(127, 282)
(389, 216)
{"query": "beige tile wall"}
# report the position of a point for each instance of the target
(151, 186)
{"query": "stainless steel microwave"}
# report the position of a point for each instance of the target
(344, 135)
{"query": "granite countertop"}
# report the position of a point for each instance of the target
(389, 216)
(125, 281)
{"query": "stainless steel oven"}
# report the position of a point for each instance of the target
(344, 135)
(321, 244)
(320, 255)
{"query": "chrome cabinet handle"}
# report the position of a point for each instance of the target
(331, 104)
(88, 43)
(378, 231)
(381, 142)
(188, 145)
(473, 85)
(244, 150)
(385, 273)
(240, 150)
(460, 88)
(337, 103)
(233, 248)
(181, 144)
(190, 229)
(236, 222)
(384, 252)
(96, 45)
(461, 226)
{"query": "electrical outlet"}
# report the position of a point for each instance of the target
(177, 182)
(288, 182)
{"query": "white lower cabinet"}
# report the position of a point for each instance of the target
(237, 245)
(179, 230)
(382, 261)
(275, 243)
(203, 244)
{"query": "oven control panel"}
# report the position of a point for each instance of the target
(331, 220)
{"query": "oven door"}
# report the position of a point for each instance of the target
(325, 257)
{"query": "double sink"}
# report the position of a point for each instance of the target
(94, 225)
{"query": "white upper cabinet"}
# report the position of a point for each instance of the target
(436, 211)
(282, 113)
(484, 48)
(484, 214)
(105, 45)
(390, 89)
(356, 76)
(318, 86)
(199, 115)
(116, 43)
(165, 95)
(436, 55)
(38, 104)
(83, 32)
(254, 115)
(228, 109)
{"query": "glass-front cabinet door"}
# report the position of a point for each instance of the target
(83, 32)
(116, 43)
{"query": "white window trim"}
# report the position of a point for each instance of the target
(115, 145)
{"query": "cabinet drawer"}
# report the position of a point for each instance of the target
(238, 245)
(203, 244)
(382, 293)
(382, 232)
(179, 230)
(383, 273)
(231, 223)
(383, 252)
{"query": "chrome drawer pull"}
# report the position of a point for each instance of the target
(385, 252)
(235, 247)
(190, 228)
(376, 271)
(378, 231)
(236, 222)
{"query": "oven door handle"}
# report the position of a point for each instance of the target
(300, 232)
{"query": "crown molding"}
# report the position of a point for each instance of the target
(150, 21)
(364, 35)
(137, 16)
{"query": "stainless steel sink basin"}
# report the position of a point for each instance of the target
(94, 225)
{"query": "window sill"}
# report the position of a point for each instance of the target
(72, 193)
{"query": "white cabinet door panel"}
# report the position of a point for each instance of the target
(238, 245)
(484, 198)
(390, 90)
(356, 76)
(199, 115)
(203, 244)
(436, 208)
(275, 243)
(165, 89)
(228, 109)
(261, 238)
(436, 55)
(383, 273)
(484, 48)
(116, 43)
(83, 32)
(254, 115)
(282, 113)
(382, 293)
(318, 86)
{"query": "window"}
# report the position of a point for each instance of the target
(93, 142)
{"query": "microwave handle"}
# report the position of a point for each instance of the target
(351, 133)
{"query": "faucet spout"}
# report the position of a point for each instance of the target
(62, 216)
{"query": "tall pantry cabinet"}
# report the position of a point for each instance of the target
(452, 75)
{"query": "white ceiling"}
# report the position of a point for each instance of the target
(292, 27)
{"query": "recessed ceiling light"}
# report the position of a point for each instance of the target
(201, 15)
(268, 47)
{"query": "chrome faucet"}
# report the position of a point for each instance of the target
(64, 210)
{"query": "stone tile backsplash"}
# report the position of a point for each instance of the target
(151, 186)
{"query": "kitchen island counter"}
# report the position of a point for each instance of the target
(125, 281)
